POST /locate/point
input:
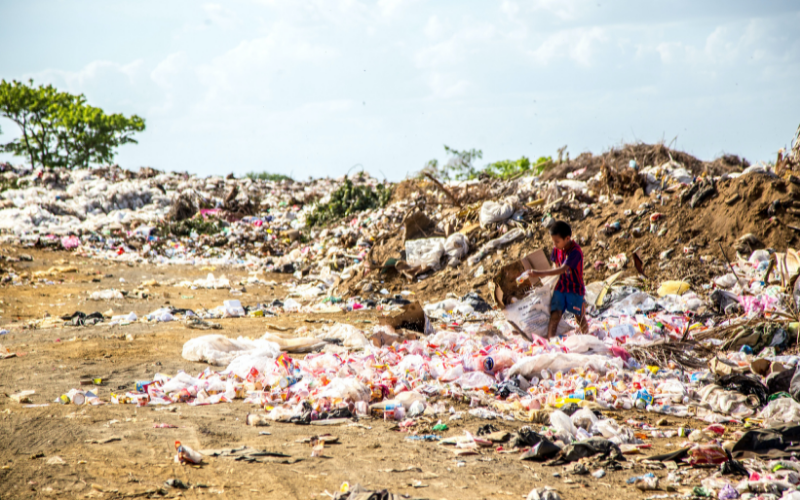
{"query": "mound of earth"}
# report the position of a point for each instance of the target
(645, 155)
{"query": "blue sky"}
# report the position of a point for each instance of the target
(315, 87)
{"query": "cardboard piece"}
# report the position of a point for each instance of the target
(505, 281)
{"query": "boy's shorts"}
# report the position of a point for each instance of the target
(570, 302)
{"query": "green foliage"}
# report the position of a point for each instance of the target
(461, 166)
(6, 184)
(347, 200)
(197, 224)
(506, 169)
(267, 176)
(59, 129)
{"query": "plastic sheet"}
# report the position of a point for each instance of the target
(220, 350)
(532, 366)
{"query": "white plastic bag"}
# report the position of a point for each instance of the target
(346, 388)
(781, 411)
(475, 380)
(491, 211)
(532, 366)
(456, 246)
(425, 252)
(564, 426)
(350, 336)
(503, 240)
(233, 309)
(584, 418)
(586, 344)
(219, 350)
(109, 294)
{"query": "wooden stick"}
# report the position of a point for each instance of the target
(444, 190)
(731, 266)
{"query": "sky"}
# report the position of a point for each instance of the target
(323, 87)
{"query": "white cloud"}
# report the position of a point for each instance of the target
(509, 8)
(446, 86)
(434, 28)
(563, 9)
(244, 73)
(221, 16)
(579, 44)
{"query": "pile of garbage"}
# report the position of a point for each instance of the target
(692, 300)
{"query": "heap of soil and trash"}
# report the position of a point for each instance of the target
(692, 301)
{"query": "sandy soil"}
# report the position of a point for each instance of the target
(137, 463)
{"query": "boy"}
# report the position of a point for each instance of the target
(567, 258)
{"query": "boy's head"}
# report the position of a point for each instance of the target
(561, 234)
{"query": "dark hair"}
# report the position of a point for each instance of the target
(560, 228)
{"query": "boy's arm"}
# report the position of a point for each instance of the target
(550, 272)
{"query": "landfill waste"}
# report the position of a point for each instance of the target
(679, 328)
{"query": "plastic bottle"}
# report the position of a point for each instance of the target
(186, 454)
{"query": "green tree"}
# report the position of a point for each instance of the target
(506, 169)
(461, 163)
(59, 129)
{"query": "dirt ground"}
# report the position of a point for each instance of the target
(139, 461)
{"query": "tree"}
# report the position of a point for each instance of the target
(507, 169)
(460, 162)
(59, 129)
(459, 166)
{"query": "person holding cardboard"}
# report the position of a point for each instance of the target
(567, 258)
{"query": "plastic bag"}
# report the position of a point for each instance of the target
(612, 431)
(563, 425)
(408, 398)
(584, 418)
(346, 388)
(491, 212)
(456, 246)
(109, 294)
(475, 380)
(233, 309)
(586, 344)
(727, 402)
(350, 336)
(532, 366)
(291, 305)
(425, 252)
(219, 350)
(673, 288)
(503, 240)
(780, 411)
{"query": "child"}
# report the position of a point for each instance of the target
(567, 257)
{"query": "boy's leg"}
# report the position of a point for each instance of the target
(582, 322)
(557, 306)
(577, 306)
(552, 326)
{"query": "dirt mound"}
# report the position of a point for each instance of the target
(645, 155)
(693, 235)
(738, 207)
